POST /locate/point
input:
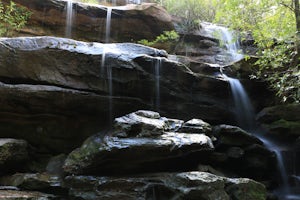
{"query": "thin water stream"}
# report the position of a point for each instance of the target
(108, 24)
(69, 19)
(158, 65)
(245, 117)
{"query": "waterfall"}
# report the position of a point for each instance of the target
(109, 82)
(227, 38)
(244, 111)
(245, 117)
(158, 64)
(134, 1)
(108, 23)
(69, 19)
(110, 93)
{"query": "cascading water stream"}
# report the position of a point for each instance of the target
(108, 24)
(110, 93)
(244, 111)
(158, 64)
(227, 37)
(109, 82)
(69, 19)
(245, 116)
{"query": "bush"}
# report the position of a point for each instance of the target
(192, 12)
(276, 66)
(12, 17)
(165, 37)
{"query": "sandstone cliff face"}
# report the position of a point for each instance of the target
(128, 23)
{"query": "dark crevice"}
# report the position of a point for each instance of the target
(20, 81)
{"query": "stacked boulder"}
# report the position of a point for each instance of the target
(147, 156)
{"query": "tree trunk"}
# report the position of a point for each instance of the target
(296, 60)
(297, 15)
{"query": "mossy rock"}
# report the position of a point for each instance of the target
(283, 126)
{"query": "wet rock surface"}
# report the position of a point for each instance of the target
(148, 156)
(144, 146)
(188, 185)
(48, 82)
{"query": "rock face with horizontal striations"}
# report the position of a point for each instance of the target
(128, 23)
(50, 82)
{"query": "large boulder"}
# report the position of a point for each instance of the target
(243, 153)
(233, 135)
(13, 154)
(139, 124)
(196, 126)
(48, 84)
(188, 185)
(145, 143)
(128, 23)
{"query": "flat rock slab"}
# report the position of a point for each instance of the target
(23, 195)
(188, 185)
(35, 182)
(119, 155)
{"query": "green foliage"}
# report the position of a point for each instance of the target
(166, 36)
(12, 17)
(264, 19)
(90, 1)
(278, 63)
(191, 11)
(275, 66)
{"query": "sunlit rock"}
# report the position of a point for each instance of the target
(49, 17)
(24, 195)
(196, 126)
